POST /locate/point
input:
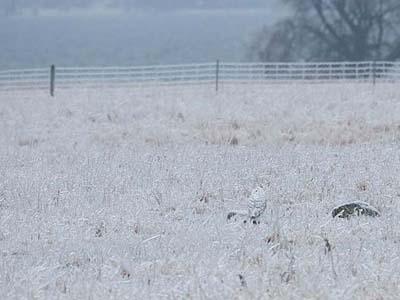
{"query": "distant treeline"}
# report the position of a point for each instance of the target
(14, 7)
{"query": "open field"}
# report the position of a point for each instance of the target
(121, 194)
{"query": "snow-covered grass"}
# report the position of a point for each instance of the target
(122, 194)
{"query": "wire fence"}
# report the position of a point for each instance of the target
(207, 73)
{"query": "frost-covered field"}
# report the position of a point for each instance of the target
(123, 194)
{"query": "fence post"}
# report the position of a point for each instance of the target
(52, 79)
(217, 76)
(374, 72)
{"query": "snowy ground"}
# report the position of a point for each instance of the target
(121, 194)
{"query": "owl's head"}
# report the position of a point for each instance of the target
(258, 191)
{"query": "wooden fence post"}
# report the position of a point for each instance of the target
(374, 72)
(217, 76)
(52, 79)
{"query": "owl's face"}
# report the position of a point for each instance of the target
(258, 191)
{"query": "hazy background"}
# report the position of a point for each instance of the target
(95, 33)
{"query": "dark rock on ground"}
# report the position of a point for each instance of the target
(231, 215)
(355, 209)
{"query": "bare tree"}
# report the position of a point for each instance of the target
(351, 30)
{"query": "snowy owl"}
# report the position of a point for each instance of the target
(257, 204)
